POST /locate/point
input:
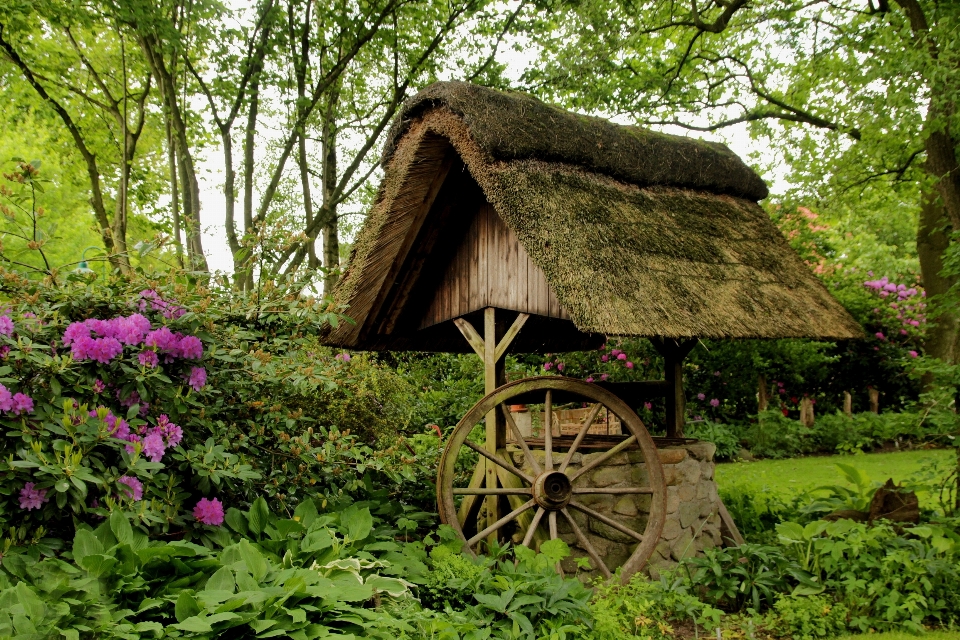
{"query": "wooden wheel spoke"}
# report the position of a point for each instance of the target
(552, 520)
(529, 504)
(527, 454)
(615, 491)
(486, 491)
(580, 436)
(607, 520)
(585, 543)
(548, 432)
(532, 530)
(499, 461)
(606, 456)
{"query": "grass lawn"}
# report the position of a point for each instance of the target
(894, 635)
(794, 475)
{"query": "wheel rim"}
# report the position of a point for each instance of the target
(551, 490)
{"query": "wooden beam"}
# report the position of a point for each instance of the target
(511, 333)
(472, 336)
(495, 428)
(673, 352)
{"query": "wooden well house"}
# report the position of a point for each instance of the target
(504, 224)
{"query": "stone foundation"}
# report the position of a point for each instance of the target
(692, 522)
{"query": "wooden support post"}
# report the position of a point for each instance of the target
(491, 351)
(847, 404)
(874, 399)
(673, 352)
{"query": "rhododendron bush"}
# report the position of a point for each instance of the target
(166, 402)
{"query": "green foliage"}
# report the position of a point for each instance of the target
(262, 425)
(750, 575)
(644, 608)
(728, 444)
(306, 576)
(809, 617)
(517, 598)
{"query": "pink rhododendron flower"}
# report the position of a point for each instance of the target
(22, 403)
(148, 358)
(590, 379)
(209, 511)
(629, 365)
(198, 378)
(648, 406)
(343, 357)
(172, 433)
(547, 366)
(99, 386)
(701, 396)
(6, 325)
(190, 347)
(621, 356)
(604, 358)
(560, 366)
(32, 498)
(880, 335)
(101, 350)
(913, 354)
(157, 303)
(604, 376)
(132, 488)
(6, 399)
(153, 446)
(714, 402)
(616, 352)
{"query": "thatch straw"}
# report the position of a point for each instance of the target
(516, 126)
(624, 257)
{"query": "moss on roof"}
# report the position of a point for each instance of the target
(661, 238)
(517, 126)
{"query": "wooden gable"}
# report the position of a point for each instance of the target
(490, 268)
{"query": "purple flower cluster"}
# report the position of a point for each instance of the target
(31, 497)
(132, 488)
(149, 297)
(154, 441)
(198, 378)
(886, 288)
(103, 340)
(15, 403)
(343, 357)
(209, 511)
(6, 325)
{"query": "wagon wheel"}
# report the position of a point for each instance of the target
(547, 489)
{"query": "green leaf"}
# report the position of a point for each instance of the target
(222, 580)
(195, 624)
(236, 520)
(316, 540)
(254, 560)
(32, 605)
(306, 512)
(85, 544)
(121, 528)
(258, 515)
(98, 565)
(186, 606)
(358, 522)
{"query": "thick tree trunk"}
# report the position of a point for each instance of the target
(933, 238)
(174, 196)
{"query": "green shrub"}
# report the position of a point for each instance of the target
(728, 444)
(809, 617)
(645, 608)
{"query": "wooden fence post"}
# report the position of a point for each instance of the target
(874, 399)
(848, 404)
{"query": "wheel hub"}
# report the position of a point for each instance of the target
(552, 490)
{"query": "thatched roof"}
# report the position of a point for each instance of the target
(637, 233)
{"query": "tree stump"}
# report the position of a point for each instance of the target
(892, 503)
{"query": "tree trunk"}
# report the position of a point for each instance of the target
(174, 195)
(933, 238)
(763, 395)
(331, 240)
(847, 404)
(190, 186)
